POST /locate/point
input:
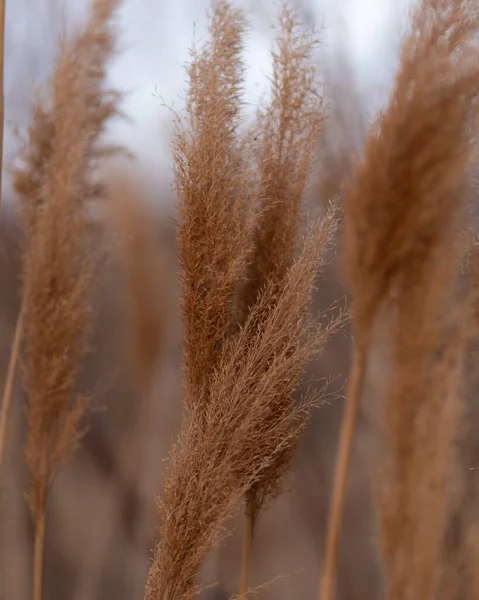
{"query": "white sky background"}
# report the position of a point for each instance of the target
(156, 35)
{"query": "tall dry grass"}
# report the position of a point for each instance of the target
(217, 462)
(56, 184)
(249, 267)
(287, 131)
(241, 423)
(403, 213)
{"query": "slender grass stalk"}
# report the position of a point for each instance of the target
(2, 93)
(57, 184)
(404, 208)
(7, 395)
(38, 556)
(247, 550)
(9, 383)
(348, 427)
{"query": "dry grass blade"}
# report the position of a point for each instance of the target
(56, 185)
(404, 206)
(220, 456)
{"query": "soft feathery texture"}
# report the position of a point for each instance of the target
(56, 183)
(240, 371)
(404, 207)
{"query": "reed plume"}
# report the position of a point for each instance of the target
(240, 378)
(212, 181)
(223, 451)
(56, 184)
(288, 129)
(403, 211)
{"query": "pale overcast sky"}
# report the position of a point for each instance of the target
(156, 35)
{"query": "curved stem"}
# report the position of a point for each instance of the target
(247, 548)
(348, 427)
(9, 383)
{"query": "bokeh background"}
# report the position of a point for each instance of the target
(102, 515)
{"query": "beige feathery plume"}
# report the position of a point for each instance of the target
(56, 184)
(287, 132)
(239, 378)
(288, 129)
(212, 179)
(403, 210)
(224, 451)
